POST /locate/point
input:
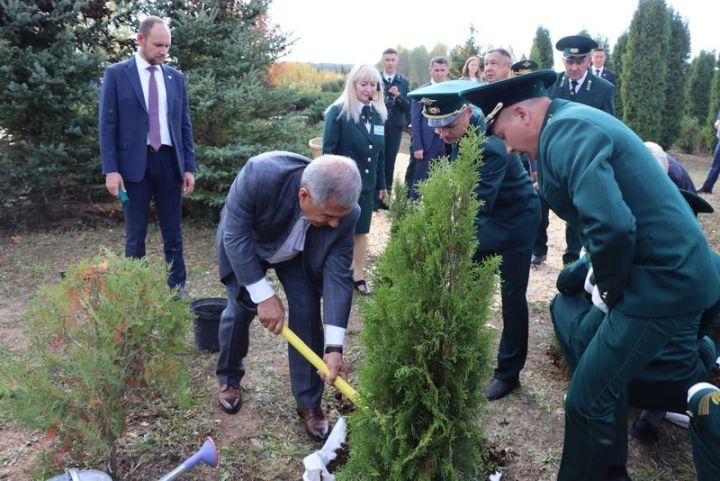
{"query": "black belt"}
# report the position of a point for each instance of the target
(163, 148)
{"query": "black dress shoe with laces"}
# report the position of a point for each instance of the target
(498, 389)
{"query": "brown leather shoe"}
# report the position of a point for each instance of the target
(316, 423)
(230, 398)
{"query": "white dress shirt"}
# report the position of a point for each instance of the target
(142, 66)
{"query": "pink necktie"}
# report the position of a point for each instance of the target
(153, 112)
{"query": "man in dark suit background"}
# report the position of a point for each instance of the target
(598, 59)
(426, 144)
(146, 144)
(297, 217)
(396, 88)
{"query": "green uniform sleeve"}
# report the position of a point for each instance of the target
(331, 132)
(579, 156)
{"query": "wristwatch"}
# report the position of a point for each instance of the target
(331, 348)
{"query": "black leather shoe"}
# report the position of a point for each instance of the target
(537, 260)
(498, 389)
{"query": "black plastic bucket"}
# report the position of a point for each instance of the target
(207, 319)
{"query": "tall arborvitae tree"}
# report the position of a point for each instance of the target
(460, 53)
(542, 49)
(419, 60)
(677, 57)
(426, 356)
(224, 47)
(644, 69)
(697, 96)
(53, 55)
(615, 64)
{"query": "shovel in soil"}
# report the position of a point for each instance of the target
(316, 463)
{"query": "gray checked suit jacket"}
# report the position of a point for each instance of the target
(260, 211)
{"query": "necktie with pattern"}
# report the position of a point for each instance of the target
(153, 112)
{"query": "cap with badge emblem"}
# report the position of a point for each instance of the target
(576, 46)
(492, 98)
(524, 66)
(441, 102)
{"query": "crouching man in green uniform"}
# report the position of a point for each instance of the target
(505, 223)
(684, 361)
(652, 267)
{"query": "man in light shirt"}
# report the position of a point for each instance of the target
(297, 217)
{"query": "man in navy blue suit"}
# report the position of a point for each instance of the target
(146, 144)
(426, 143)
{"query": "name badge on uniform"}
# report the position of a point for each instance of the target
(378, 129)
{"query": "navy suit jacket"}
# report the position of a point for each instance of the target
(260, 211)
(608, 75)
(124, 121)
(423, 137)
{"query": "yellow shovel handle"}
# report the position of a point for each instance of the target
(319, 364)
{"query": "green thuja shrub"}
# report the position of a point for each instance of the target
(108, 338)
(425, 340)
(689, 138)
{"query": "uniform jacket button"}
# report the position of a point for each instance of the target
(367, 171)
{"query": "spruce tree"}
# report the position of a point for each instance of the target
(699, 84)
(616, 65)
(53, 55)
(542, 49)
(678, 54)
(460, 53)
(644, 69)
(426, 347)
(224, 48)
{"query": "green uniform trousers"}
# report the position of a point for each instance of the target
(663, 384)
(514, 274)
(596, 403)
(704, 411)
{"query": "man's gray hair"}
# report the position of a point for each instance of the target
(332, 176)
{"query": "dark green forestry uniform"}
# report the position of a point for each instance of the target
(594, 91)
(506, 225)
(506, 221)
(653, 269)
(650, 260)
(398, 108)
(704, 411)
(366, 146)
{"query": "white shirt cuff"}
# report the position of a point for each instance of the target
(260, 291)
(334, 336)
